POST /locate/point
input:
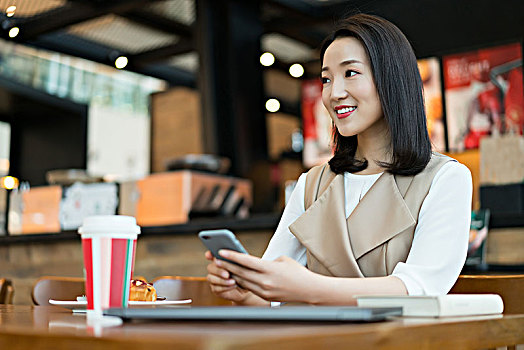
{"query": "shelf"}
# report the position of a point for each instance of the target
(506, 220)
(254, 223)
(494, 269)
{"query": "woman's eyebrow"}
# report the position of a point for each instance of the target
(343, 63)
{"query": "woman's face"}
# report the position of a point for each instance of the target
(349, 92)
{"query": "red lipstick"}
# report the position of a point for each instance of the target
(346, 111)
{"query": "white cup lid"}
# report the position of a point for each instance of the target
(108, 224)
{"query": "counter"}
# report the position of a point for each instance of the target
(167, 250)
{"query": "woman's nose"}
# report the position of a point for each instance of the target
(338, 90)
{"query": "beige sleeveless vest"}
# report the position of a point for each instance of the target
(378, 233)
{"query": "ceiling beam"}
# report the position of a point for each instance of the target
(321, 13)
(310, 37)
(297, 20)
(296, 8)
(72, 45)
(71, 13)
(293, 14)
(185, 45)
(310, 23)
(158, 22)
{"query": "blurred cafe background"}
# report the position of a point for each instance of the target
(199, 114)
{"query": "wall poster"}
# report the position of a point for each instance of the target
(317, 126)
(430, 73)
(484, 94)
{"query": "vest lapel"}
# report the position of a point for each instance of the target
(381, 214)
(322, 229)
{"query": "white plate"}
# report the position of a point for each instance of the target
(70, 304)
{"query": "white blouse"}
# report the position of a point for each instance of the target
(440, 242)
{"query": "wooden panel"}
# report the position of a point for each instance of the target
(3, 200)
(41, 209)
(162, 199)
(128, 197)
(505, 246)
(3, 210)
(290, 171)
(167, 198)
(202, 186)
(502, 159)
(35, 210)
(176, 126)
(280, 127)
(281, 84)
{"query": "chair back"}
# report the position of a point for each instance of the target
(195, 288)
(57, 288)
(509, 287)
(6, 291)
(10, 293)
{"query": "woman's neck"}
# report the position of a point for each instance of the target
(374, 146)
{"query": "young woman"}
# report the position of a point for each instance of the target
(386, 215)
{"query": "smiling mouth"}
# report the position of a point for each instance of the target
(344, 111)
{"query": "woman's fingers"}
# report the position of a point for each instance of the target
(208, 255)
(221, 283)
(214, 269)
(221, 289)
(240, 272)
(247, 272)
(253, 287)
(230, 267)
(215, 280)
(246, 260)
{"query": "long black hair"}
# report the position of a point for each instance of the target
(399, 87)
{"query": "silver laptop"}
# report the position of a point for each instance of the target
(248, 313)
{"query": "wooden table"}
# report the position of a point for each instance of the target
(51, 327)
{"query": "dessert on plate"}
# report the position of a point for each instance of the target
(141, 290)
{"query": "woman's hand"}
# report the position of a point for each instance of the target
(283, 279)
(222, 284)
(258, 281)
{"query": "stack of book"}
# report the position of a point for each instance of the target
(437, 306)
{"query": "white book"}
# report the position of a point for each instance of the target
(436, 306)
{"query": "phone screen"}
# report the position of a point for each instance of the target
(215, 240)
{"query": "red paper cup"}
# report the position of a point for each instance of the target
(109, 245)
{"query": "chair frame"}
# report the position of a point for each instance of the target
(41, 297)
(6, 291)
(509, 287)
(204, 297)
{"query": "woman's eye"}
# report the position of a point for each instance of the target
(350, 73)
(324, 80)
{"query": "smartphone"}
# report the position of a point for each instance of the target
(215, 240)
